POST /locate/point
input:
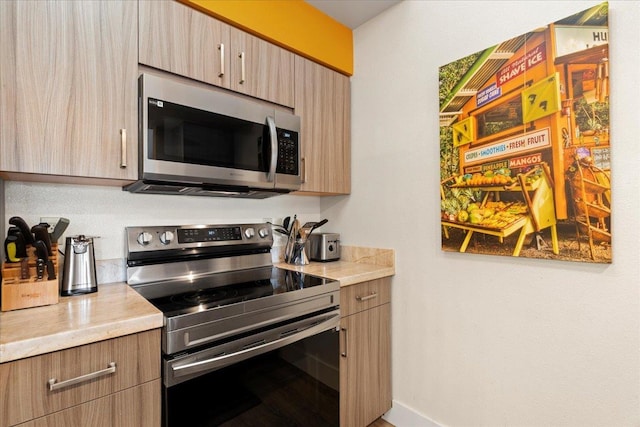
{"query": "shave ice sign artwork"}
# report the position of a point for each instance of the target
(525, 143)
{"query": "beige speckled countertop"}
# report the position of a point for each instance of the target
(356, 265)
(115, 310)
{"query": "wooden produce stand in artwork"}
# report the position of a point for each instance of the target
(536, 213)
(590, 189)
(17, 293)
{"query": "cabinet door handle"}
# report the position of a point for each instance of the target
(368, 297)
(123, 148)
(221, 49)
(55, 385)
(343, 353)
(242, 67)
(303, 165)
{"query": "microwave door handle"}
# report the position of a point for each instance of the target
(274, 149)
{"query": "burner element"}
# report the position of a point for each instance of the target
(202, 296)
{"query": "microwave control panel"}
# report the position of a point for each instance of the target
(287, 152)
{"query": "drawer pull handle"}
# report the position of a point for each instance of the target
(368, 297)
(55, 385)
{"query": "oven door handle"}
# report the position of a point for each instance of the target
(220, 361)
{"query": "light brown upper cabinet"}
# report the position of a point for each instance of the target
(69, 94)
(261, 69)
(179, 39)
(323, 101)
(176, 38)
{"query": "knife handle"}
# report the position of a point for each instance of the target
(24, 229)
(42, 234)
(60, 228)
(40, 268)
(24, 269)
(21, 247)
(11, 249)
(41, 250)
(51, 270)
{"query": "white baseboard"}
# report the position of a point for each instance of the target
(402, 416)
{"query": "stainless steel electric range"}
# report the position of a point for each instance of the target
(243, 342)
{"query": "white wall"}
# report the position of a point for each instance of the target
(481, 340)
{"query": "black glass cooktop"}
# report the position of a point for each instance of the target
(208, 293)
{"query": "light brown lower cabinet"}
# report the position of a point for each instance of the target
(135, 407)
(365, 349)
(114, 382)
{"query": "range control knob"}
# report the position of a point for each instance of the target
(249, 233)
(145, 238)
(166, 237)
(263, 232)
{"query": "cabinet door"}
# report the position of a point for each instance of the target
(365, 366)
(261, 69)
(73, 84)
(176, 38)
(323, 101)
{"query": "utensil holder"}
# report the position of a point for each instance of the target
(299, 256)
(17, 293)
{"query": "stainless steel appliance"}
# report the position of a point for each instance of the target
(324, 246)
(203, 141)
(79, 272)
(243, 341)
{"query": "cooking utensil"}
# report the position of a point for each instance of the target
(318, 225)
(288, 251)
(308, 227)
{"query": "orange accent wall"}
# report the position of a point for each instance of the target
(292, 24)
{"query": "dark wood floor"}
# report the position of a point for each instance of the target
(380, 423)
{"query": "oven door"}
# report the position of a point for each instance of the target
(288, 375)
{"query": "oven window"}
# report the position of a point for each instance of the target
(296, 385)
(187, 135)
(499, 118)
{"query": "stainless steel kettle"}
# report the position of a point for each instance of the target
(79, 274)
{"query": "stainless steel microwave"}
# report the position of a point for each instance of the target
(203, 141)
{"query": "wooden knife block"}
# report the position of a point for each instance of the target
(17, 293)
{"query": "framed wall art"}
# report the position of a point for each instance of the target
(525, 142)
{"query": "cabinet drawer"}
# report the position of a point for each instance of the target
(25, 393)
(135, 407)
(364, 295)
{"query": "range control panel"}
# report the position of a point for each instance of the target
(159, 238)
